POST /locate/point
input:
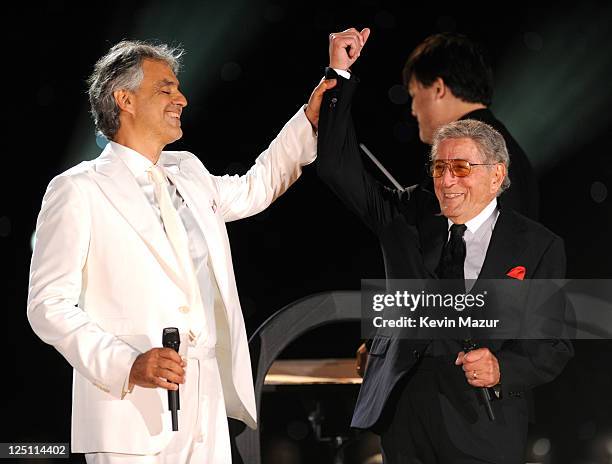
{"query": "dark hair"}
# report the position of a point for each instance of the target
(121, 68)
(461, 63)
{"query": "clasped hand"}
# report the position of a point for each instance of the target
(480, 366)
(158, 367)
(344, 49)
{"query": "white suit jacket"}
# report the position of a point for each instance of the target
(103, 283)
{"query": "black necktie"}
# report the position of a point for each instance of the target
(453, 255)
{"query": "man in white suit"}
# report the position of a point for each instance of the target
(135, 241)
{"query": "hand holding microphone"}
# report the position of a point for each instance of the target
(481, 370)
(160, 367)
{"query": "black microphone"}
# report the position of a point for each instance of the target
(485, 396)
(172, 339)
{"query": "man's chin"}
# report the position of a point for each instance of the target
(449, 211)
(424, 138)
(425, 135)
(177, 135)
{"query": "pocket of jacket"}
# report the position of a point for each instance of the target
(379, 347)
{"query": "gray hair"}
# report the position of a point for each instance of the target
(490, 143)
(121, 68)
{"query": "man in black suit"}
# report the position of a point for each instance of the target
(449, 78)
(420, 395)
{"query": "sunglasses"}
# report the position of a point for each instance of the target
(459, 167)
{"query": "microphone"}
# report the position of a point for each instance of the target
(485, 396)
(171, 339)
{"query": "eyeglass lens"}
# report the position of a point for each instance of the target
(458, 167)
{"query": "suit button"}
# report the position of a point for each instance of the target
(416, 354)
(184, 309)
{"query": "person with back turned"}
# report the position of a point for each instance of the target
(134, 242)
(449, 78)
(419, 395)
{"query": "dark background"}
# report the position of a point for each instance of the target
(249, 66)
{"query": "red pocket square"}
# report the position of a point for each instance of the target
(517, 272)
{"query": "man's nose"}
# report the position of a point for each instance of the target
(448, 178)
(180, 99)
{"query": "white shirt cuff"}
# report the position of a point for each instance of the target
(343, 73)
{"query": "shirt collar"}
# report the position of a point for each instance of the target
(136, 163)
(474, 224)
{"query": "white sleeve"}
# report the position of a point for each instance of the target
(56, 273)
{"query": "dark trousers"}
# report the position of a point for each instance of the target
(416, 432)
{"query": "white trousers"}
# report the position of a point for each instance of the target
(203, 435)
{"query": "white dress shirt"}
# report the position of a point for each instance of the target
(477, 238)
(198, 250)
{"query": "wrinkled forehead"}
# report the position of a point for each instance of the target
(459, 148)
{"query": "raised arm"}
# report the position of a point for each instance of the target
(339, 162)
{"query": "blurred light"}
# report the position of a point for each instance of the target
(376, 459)
(33, 240)
(541, 447)
(549, 100)
(609, 446)
(280, 449)
(398, 95)
(599, 192)
(601, 447)
(5, 226)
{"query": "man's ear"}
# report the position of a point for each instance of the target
(124, 100)
(440, 88)
(499, 176)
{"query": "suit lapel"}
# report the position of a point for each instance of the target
(119, 186)
(431, 225)
(508, 242)
(434, 233)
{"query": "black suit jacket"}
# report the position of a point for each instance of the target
(412, 233)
